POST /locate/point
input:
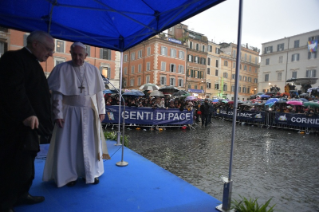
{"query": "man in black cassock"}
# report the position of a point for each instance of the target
(25, 115)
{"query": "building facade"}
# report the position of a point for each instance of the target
(196, 61)
(106, 60)
(158, 60)
(213, 74)
(248, 73)
(288, 58)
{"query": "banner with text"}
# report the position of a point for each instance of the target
(148, 116)
(299, 120)
(243, 116)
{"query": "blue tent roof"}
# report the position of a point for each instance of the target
(115, 24)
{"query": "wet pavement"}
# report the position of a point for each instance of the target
(267, 163)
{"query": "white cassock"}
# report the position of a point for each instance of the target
(77, 149)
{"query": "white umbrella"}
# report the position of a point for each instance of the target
(149, 87)
(157, 94)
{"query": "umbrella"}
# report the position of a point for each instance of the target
(311, 104)
(168, 89)
(133, 93)
(231, 102)
(109, 91)
(271, 101)
(157, 94)
(190, 98)
(264, 96)
(181, 93)
(215, 100)
(149, 87)
(304, 100)
(294, 102)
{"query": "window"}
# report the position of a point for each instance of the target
(125, 70)
(197, 46)
(181, 55)
(244, 89)
(266, 77)
(125, 58)
(216, 72)
(164, 51)
(311, 73)
(225, 75)
(172, 81)
(280, 47)
(203, 48)
(196, 59)
(140, 54)
(208, 85)
(256, 70)
(189, 86)
(163, 66)
(132, 82)
(180, 83)
(59, 46)
(133, 56)
(279, 76)
(208, 70)
(256, 60)
(234, 65)
(245, 78)
(190, 58)
(225, 63)
(139, 81)
(208, 61)
(255, 80)
(233, 76)
(240, 67)
(312, 55)
(248, 90)
(201, 87)
(294, 74)
(139, 68)
(268, 50)
(203, 61)
(132, 69)
(245, 67)
(216, 63)
(148, 66)
(281, 59)
(267, 61)
(217, 50)
(124, 83)
(296, 44)
(88, 50)
(57, 61)
(294, 57)
(234, 54)
(163, 80)
(216, 86)
(180, 69)
(245, 57)
(148, 79)
(250, 58)
(172, 68)
(148, 51)
(239, 89)
(240, 78)
(233, 88)
(249, 79)
(210, 48)
(195, 86)
(173, 53)
(190, 44)
(249, 68)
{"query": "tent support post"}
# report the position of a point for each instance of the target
(227, 191)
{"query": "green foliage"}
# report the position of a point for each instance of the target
(113, 136)
(251, 205)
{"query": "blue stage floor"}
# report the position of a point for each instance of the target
(140, 186)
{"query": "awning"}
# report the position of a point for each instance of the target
(195, 91)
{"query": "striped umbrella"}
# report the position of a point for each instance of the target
(149, 87)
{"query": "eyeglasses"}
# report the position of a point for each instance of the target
(48, 49)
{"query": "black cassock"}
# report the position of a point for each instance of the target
(24, 92)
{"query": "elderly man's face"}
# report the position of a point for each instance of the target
(43, 49)
(78, 55)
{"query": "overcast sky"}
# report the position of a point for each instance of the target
(263, 20)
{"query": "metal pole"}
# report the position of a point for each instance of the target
(120, 105)
(228, 182)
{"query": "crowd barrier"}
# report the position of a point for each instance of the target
(148, 117)
(299, 122)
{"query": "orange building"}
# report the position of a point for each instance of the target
(157, 60)
(106, 60)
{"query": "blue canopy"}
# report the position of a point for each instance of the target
(112, 24)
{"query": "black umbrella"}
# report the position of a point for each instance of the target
(168, 89)
(180, 93)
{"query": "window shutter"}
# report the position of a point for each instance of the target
(307, 73)
(314, 74)
(109, 73)
(292, 57)
(101, 53)
(109, 54)
(297, 57)
(309, 55)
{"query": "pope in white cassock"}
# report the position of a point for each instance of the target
(78, 146)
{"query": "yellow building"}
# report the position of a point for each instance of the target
(213, 73)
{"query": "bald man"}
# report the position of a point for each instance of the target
(25, 115)
(78, 146)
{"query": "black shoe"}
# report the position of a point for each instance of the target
(96, 180)
(72, 183)
(29, 200)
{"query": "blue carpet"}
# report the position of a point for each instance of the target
(140, 186)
